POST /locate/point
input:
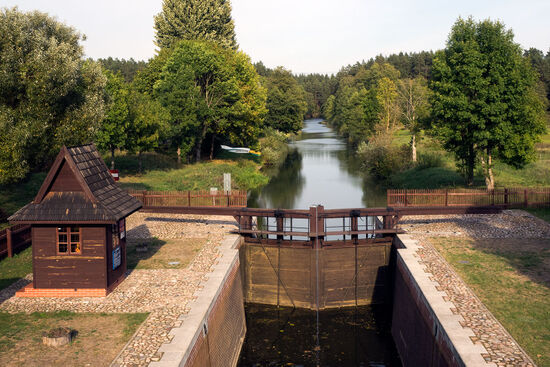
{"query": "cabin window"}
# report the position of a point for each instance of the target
(68, 240)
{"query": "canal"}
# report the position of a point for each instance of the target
(319, 169)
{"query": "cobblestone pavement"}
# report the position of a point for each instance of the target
(501, 347)
(164, 293)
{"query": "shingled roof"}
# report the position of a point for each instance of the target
(91, 196)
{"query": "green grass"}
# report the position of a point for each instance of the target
(13, 197)
(12, 269)
(445, 175)
(542, 213)
(199, 176)
(512, 281)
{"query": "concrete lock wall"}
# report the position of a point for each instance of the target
(212, 333)
(425, 330)
(287, 276)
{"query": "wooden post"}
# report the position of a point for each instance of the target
(406, 197)
(280, 227)
(526, 197)
(9, 242)
(354, 228)
(316, 224)
(387, 197)
(493, 193)
(228, 199)
(145, 201)
(446, 197)
(506, 197)
(188, 198)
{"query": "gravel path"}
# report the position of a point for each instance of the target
(501, 347)
(162, 292)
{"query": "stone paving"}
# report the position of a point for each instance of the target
(164, 293)
(501, 347)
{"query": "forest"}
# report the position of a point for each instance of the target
(482, 97)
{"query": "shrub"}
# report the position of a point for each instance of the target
(429, 160)
(273, 147)
(382, 159)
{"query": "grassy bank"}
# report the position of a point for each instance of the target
(12, 269)
(513, 281)
(437, 168)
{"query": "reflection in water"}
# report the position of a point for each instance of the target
(351, 336)
(321, 169)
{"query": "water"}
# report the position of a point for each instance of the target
(349, 336)
(320, 169)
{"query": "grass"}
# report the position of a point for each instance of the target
(445, 174)
(13, 197)
(99, 337)
(513, 280)
(12, 269)
(162, 254)
(542, 213)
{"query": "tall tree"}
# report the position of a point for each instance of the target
(286, 102)
(148, 121)
(208, 20)
(112, 134)
(209, 89)
(414, 107)
(49, 95)
(484, 101)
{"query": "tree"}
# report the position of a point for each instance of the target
(414, 106)
(147, 121)
(112, 134)
(386, 94)
(207, 20)
(484, 101)
(286, 102)
(209, 89)
(49, 95)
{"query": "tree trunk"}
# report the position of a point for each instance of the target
(199, 143)
(179, 155)
(488, 170)
(413, 148)
(471, 163)
(212, 147)
(112, 157)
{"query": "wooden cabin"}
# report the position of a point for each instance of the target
(78, 227)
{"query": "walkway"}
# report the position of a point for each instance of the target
(501, 347)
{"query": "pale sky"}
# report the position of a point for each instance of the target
(302, 35)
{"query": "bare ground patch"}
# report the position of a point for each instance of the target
(99, 337)
(154, 253)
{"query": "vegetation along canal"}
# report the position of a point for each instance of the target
(320, 169)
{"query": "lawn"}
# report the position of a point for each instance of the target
(444, 174)
(99, 338)
(512, 278)
(162, 254)
(542, 213)
(12, 269)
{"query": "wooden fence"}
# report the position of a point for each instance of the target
(506, 197)
(221, 199)
(14, 238)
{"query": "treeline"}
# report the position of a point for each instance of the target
(197, 93)
(482, 98)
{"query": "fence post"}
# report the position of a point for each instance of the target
(228, 199)
(188, 198)
(526, 197)
(446, 197)
(406, 197)
(506, 197)
(493, 196)
(388, 197)
(145, 198)
(9, 242)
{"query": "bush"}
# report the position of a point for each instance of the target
(382, 160)
(429, 160)
(273, 147)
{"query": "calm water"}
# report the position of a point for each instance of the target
(320, 169)
(288, 337)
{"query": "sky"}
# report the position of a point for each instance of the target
(305, 36)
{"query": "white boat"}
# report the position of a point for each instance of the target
(236, 150)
